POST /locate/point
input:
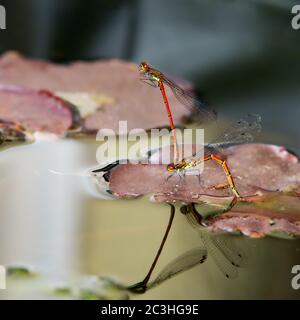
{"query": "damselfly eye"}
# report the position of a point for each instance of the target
(171, 167)
(144, 66)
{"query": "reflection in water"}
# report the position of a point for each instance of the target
(57, 226)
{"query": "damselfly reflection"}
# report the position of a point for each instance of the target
(224, 252)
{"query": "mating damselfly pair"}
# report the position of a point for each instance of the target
(243, 131)
(226, 256)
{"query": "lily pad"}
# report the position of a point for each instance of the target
(266, 176)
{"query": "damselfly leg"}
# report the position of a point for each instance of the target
(141, 287)
(242, 131)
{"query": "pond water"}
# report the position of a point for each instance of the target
(54, 222)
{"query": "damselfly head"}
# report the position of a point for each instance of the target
(144, 66)
(171, 167)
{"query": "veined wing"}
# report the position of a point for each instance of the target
(243, 131)
(187, 98)
(182, 263)
(227, 256)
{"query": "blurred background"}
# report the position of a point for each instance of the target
(243, 55)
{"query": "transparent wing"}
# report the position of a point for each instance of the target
(225, 266)
(226, 255)
(146, 79)
(234, 254)
(243, 131)
(195, 105)
(182, 263)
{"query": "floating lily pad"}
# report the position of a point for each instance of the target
(266, 176)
